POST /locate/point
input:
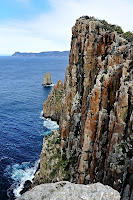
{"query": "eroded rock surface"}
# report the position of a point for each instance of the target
(52, 165)
(47, 79)
(96, 116)
(52, 106)
(66, 190)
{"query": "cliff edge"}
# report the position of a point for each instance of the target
(95, 122)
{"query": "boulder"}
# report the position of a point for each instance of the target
(66, 190)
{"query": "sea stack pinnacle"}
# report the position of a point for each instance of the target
(47, 79)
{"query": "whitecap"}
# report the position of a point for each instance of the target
(49, 85)
(20, 173)
(52, 85)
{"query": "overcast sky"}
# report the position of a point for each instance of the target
(45, 25)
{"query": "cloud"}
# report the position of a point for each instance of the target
(52, 30)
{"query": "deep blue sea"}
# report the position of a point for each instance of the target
(21, 126)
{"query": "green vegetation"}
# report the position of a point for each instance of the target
(58, 94)
(112, 27)
(127, 78)
(128, 36)
(54, 166)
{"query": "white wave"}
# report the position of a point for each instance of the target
(51, 125)
(41, 117)
(52, 85)
(49, 85)
(22, 173)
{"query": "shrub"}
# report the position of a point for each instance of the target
(128, 36)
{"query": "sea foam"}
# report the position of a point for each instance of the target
(50, 126)
(49, 85)
(20, 173)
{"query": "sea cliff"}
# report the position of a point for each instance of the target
(96, 117)
(95, 123)
(94, 142)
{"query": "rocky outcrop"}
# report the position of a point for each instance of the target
(52, 106)
(47, 79)
(66, 190)
(95, 123)
(52, 165)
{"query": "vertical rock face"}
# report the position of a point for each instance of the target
(47, 79)
(96, 118)
(52, 106)
(95, 109)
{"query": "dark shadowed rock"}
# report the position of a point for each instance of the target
(27, 186)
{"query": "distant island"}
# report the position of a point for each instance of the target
(43, 54)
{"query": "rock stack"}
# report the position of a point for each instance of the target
(47, 79)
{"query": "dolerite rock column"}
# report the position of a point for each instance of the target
(96, 115)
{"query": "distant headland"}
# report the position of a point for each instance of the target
(43, 54)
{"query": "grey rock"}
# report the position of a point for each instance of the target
(47, 79)
(69, 191)
(126, 192)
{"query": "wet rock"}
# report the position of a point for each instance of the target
(27, 186)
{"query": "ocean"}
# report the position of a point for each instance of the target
(21, 126)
